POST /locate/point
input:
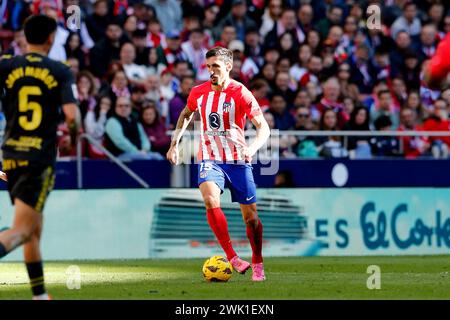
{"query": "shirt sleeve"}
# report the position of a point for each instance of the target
(440, 64)
(68, 87)
(192, 102)
(251, 106)
(145, 141)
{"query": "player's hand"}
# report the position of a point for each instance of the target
(247, 154)
(3, 176)
(173, 154)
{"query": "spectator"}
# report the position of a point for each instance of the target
(359, 146)
(73, 49)
(260, 90)
(384, 146)
(227, 35)
(153, 65)
(305, 16)
(411, 71)
(399, 92)
(180, 69)
(211, 11)
(178, 102)
(125, 136)
(413, 147)
(268, 74)
(314, 41)
(119, 86)
(155, 36)
(137, 99)
(253, 47)
(408, 21)
(330, 100)
(19, 45)
(415, 104)
(196, 52)
(130, 26)
(139, 40)
(237, 18)
(278, 108)
(386, 108)
(173, 52)
(287, 46)
(305, 146)
(436, 14)
(98, 20)
(363, 72)
(426, 45)
(282, 82)
(382, 63)
(106, 49)
(397, 56)
(74, 65)
(334, 17)
(271, 14)
(286, 23)
(155, 129)
(94, 124)
(300, 66)
(348, 88)
(311, 73)
(135, 73)
(438, 121)
(168, 12)
(330, 147)
(57, 51)
(86, 90)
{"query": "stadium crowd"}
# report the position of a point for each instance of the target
(312, 65)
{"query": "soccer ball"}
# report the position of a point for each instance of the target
(217, 269)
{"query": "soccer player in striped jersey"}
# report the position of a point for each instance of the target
(224, 158)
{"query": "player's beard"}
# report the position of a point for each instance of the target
(214, 79)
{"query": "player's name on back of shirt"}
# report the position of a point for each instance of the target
(42, 74)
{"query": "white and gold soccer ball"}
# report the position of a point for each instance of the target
(217, 269)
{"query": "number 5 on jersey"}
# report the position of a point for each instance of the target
(34, 107)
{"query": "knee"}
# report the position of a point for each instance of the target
(211, 202)
(25, 234)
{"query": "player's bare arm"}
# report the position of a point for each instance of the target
(3, 176)
(73, 119)
(183, 121)
(262, 134)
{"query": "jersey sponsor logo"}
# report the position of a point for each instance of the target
(216, 133)
(214, 120)
(248, 199)
(25, 143)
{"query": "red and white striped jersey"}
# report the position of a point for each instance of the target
(223, 115)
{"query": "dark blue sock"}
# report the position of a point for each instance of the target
(3, 251)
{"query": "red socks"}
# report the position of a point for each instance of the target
(255, 236)
(218, 223)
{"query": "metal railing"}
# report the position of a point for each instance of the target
(112, 157)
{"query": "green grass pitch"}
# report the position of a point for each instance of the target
(409, 277)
